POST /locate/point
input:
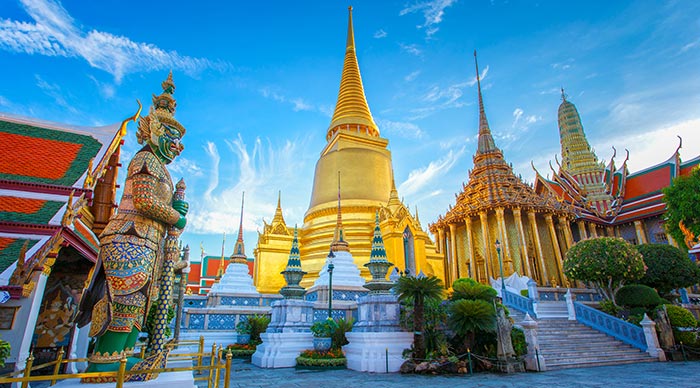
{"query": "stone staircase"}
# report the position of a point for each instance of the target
(570, 344)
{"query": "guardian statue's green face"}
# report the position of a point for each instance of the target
(168, 146)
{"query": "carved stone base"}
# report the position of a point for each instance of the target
(376, 352)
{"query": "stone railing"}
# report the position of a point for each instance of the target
(624, 331)
(556, 294)
(519, 303)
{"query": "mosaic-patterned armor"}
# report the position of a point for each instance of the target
(125, 280)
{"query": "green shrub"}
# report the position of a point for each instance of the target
(258, 324)
(468, 289)
(517, 337)
(608, 307)
(324, 328)
(681, 317)
(243, 326)
(5, 352)
(525, 293)
(667, 268)
(151, 320)
(332, 357)
(638, 295)
(342, 326)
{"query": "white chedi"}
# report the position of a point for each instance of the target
(345, 272)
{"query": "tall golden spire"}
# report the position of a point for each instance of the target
(278, 218)
(486, 143)
(220, 271)
(351, 111)
(339, 243)
(238, 255)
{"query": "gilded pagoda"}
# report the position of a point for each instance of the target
(608, 200)
(496, 205)
(355, 151)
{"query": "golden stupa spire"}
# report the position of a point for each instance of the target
(351, 111)
(486, 143)
(238, 255)
(278, 218)
(220, 271)
(339, 243)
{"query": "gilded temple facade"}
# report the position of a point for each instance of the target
(609, 200)
(495, 205)
(355, 158)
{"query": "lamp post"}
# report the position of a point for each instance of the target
(330, 285)
(500, 266)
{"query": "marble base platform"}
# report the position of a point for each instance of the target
(369, 352)
(280, 350)
(218, 337)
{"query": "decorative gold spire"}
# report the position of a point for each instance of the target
(238, 255)
(220, 271)
(486, 143)
(339, 243)
(278, 218)
(351, 111)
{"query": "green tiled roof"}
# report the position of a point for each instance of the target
(11, 252)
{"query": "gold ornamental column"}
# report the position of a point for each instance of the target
(555, 243)
(641, 236)
(453, 252)
(582, 230)
(470, 248)
(487, 245)
(440, 239)
(441, 249)
(671, 240)
(592, 230)
(525, 260)
(610, 231)
(567, 231)
(505, 253)
(538, 246)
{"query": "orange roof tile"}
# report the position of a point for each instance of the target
(31, 156)
(21, 205)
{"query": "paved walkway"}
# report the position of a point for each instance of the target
(657, 374)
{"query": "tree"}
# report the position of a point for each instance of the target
(467, 288)
(418, 290)
(607, 262)
(682, 199)
(667, 268)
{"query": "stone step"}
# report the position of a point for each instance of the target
(554, 366)
(581, 360)
(565, 353)
(553, 348)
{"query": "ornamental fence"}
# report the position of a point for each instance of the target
(613, 326)
(218, 367)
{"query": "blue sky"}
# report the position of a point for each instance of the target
(257, 83)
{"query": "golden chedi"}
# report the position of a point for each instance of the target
(357, 155)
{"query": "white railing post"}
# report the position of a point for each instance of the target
(534, 359)
(652, 339)
(570, 305)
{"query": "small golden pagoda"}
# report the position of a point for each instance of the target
(356, 151)
(495, 205)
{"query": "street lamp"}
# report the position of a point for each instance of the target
(330, 284)
(500, 265)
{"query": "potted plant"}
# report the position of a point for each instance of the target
(243, 331)
(322, 331)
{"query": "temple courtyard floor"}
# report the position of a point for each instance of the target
(656, 374)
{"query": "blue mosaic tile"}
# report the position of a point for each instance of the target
(196, 321)
(195, 302)
(312, 296)
(239, 301)
(320, 315)
(347, 295)
(221, 322)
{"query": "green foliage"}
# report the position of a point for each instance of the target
(419, 290)
(332, 357)
(608, 307)
(258, 325)
(5, 351)
(472, 316)
(342, 326)
(638, 295)
(243, 326)
(682, 199)
(525, 293)
(517, 337)
(667, 268)
(607, 262)
(324, 328)
(471, 290)
(151, 321)
(435, 316)
(682, 318)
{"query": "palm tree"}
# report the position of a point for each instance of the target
(418, 290)
(467, 317)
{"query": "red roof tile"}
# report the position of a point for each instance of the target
(20, 205)
(31, 156)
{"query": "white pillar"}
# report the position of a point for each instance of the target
(652, 339)
(27, 326)
(533, 359)
(570, 304)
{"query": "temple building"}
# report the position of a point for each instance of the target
(57, 192)
(607, 200)
(499, 220)
(356, 155)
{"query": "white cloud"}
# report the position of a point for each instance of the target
(690, 45)
(298, 104)
(403, 129)
(423, 176)
(521, 121)
(380, 34)
(412, 76)
(440, 98)
(185, 167)
(259, 169)
(54, 91)
(411, 49)
(563, 65)
(56, 33)
(482, 76)
(433, 11)
(106, 90)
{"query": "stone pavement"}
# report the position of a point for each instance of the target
(657, 374)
